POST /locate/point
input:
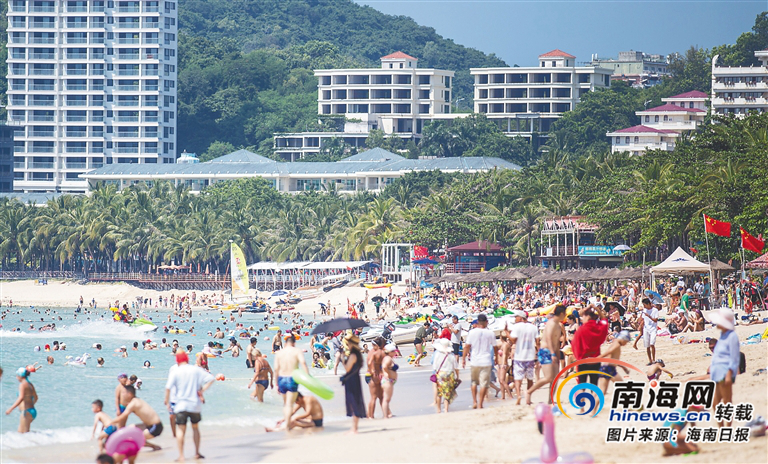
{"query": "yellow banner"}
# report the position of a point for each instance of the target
(239, 270)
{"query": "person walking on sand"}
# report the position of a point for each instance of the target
(524, 338)
(725, 358)
(353, 389)
(650, 317)
(373, 377)
(446, 369)
(481, 346)
(287, 360)
(549, 351)
(189, 383)
(263, 376)
(27, 397)
(152, 425)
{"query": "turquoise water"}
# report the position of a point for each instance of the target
(66, 392)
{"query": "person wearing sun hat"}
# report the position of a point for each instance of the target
(353, 389)
(446, 369)
(725, 356)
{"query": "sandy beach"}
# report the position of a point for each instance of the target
(66, 294)
(502, 433)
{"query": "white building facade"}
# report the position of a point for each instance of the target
(399, 98)
(528, 100)
(93, 83)
(638, 139)
(739, 90)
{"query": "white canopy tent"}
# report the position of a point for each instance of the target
(680, 261)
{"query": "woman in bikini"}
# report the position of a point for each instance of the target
(263, 376)
(27, 396)
(389, 377)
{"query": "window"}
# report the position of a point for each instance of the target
(647, 118)
(626, 140)
(637, 139)
(666, 118)
(656, 118)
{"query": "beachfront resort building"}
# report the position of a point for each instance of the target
(740, 89)
(371, 170)
(525, 101)
(636, 68)
(568, 242)
(398, 98)
(92, 83)
(661, 126)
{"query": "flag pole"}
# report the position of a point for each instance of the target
(709, 260)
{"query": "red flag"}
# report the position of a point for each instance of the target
(749, 242)
(713, 226)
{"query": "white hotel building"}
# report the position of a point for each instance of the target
(93, 83)
(528, 100)
(399, 98)
(740, 89)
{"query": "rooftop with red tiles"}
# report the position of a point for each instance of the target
(398, 55)
(556, 53)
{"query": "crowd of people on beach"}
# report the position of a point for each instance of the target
(581, 323)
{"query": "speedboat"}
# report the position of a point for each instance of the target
(405, 334)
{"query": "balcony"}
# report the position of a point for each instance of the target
(128, 72)
(77, 40)
(19, 165)
(128, 56)
(42, 72)
(151, 118)
(126, 150)
(77, 133)
(41, 56)
(97, 118)
(127, 135)
(42, 103)
(42, 134)
(150, 135)
(75, 150)
(125, 40)
(150, 87)
(97, 134)
(97, 87)
(76, 72)
(97, 40)
(75, 119)
(128, 9)
(127, 119)
(17, 87)
(76, 165)
(39, 165)
(77, 25)
(77, 56)
(128, 88)
(97, 55)
(128, 25)
(77, 9)
(151, 40)
(41, 118)
(97, 24)
(40, 87)
(42, 9)
(42, 40)
(76, 103)
(77, 87)
(127, 103)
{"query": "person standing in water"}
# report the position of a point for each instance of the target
(27, 396)
(288, 360)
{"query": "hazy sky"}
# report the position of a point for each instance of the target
(518, 31)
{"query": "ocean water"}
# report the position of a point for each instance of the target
(66, 392)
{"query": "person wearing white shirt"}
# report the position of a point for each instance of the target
(481, 345)
(189, 383)
(525, 338)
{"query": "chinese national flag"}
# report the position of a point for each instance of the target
(713, 226)
(748, 242)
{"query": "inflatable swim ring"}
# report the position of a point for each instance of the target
(274, 327)
(126, 441)
(312, 384)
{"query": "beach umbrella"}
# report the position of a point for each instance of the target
(655, 297)
(339, 324)
(377, 298)
(622, 247)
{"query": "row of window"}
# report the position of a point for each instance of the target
(378, 94)
(85, 22)
(379, 79)
(94, 6)
(86, 100)
(91, 116)
(523, 92)
(532, 78)
(491, 108)
(749, 96)
(95, 131)
(90, 38)
(81, 147)
(81, 53)
(635, 140)
(93, 69)
(749, 80)
(120, 85)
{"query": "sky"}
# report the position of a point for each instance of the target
(518, 31)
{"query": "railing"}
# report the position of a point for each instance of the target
(41, 103)
(562, 251)
(76, 87)
(42, 40)
(42, 134)
(464, 268)
(76, 165)
(77, 56)
(125, 40)
(26, 275)
(39, 118)
(128, 88)
(41, 72)
(41, 56)
(39, 87)
(128, 56)
(75, 150)
(42, 9)
(76, 133)
(38, 165)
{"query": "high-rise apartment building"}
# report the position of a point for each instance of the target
(92, 83)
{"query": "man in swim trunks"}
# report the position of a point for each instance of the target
(27, 397)
(277, 341)
(549, 349)
(312, 416)
(612, 351)
(121, 400)
(249, 356)
(263, 376)
(286, 361)
(149, 418)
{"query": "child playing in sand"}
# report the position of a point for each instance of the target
(679, 445)
(655, 370)
(100, 417)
